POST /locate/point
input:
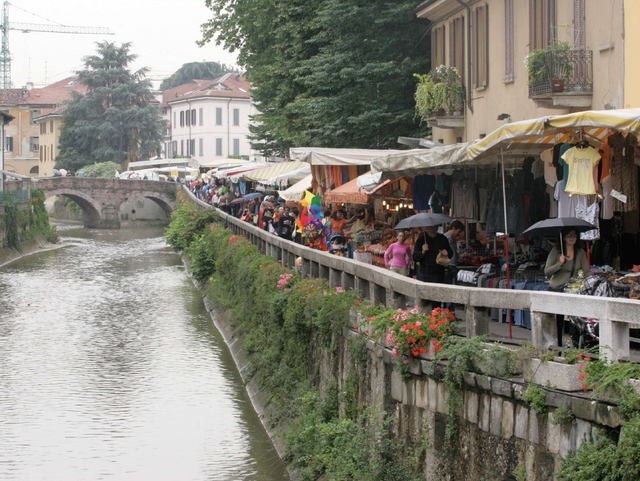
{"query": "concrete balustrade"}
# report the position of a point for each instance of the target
(393, 290)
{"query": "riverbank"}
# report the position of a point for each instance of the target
(28, 247)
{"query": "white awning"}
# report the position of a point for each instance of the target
(296, 191)
(275, 170)
(326, 156)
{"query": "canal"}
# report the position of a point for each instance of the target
(110, 368)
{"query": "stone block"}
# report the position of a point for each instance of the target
(533, 433)
(560, 376)
(443, 396)
(607, 415)
(433, 395)
(567, 439)
(408, 393)
(397, 386)
(469, 379)
(508, 415)
(584, 431)
(518, 391)
(501, 387)
(554, 436)
(484, 382)
(421, 393)
(415, 367)
(584, 408)
(428, 367)
(496, 416)
(557, 399)
(521, 421)
(484, 412)
(471, 407)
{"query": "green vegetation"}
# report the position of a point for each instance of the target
(195, 70)
(116, 119)
(105, 170)
(536, 397)
(331, 73)
(24, 224)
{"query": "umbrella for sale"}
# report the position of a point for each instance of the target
(423, 220)
(247, 198)
(553, 227)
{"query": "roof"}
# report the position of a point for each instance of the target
(51, 95)
(330, 156)
(230, 85)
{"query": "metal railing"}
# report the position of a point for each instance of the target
(563, 71)
(383, 286)
(19, 195)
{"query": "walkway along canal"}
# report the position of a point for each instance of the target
(110, 368)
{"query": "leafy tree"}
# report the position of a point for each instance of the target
(105, 170)
(115, 119)
(331, 73)
(195, 70)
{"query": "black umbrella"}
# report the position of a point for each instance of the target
(423, 220)
(553, 227)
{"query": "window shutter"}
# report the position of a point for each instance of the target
(485, 50)
(508, 41)
(579, 24)
(532, 25)
(474, 49)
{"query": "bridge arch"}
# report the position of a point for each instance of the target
(91, 209)
(160, 199)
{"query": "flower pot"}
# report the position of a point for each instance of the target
(440, 112)
(557, 375)
(557, 85)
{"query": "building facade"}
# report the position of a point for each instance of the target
(209, 119)
(30, 143)
(578, 45)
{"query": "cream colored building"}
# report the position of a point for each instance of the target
(488, 41)
(631, 49)
(50, 125)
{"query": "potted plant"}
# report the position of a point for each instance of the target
(553, 64)
(439, 92)
(536, 62)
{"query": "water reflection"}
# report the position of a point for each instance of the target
(111, 368)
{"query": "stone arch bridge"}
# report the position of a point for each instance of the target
(102, 200)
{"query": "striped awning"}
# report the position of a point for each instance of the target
(540, 134)
(274, 170)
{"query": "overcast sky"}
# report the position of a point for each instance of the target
(163, 35)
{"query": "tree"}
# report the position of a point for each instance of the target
(195, 70)
(330, 73)
(116, 118)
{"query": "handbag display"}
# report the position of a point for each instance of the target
(442, 259)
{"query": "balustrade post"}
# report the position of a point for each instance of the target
(306, 268)
(348, 281)
(614, 340)
(335, 277)
(362, 288)
(477, 320)
(544, 333)
(397, 300)
(378, 294)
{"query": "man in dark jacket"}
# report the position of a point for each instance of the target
(427, 247)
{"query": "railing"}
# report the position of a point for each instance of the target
(19, 195)
(383, 286)
(564, 71)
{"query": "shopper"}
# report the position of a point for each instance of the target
(398, 257)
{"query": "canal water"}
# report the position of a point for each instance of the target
(110, 368)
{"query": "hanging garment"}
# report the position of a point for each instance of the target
(560, 162)
(607, 200)
(605, 153)
(538, 208)
(464, 202)
(553, 203)
(623, 171)
(423, 188)
(581, 163)
(550, 175)
(515, 214)
(591, 215)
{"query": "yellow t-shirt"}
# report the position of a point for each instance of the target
(581, 163)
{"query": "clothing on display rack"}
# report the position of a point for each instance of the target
(515, 212)
(581, 163)
(464, 203)
(624, 178)
(423, 188)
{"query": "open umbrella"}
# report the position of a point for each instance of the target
(553, 227)
(247, 198)
(423, 220)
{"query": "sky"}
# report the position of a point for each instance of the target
(162, 32)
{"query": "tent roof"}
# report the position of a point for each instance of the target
(296, 191)
(327, 156)
(294, 175)
(274, 170)
(220, 162)
(419, 161)
(352, 193)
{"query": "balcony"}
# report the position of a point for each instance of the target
(561, 78)
(446, 119)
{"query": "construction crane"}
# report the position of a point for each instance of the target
(5, 55)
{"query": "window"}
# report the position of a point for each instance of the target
(187, 118)
(480, 47)
(193, 147)
(236, 116)
(200, 114)
(218, 146)
(437, 46)
(51, 126)
(52, 157)
(33, 114)
(456, 45)
(542, 20)
(200, 146)
(193, 116)
(174, 120)
(578, 24)
(509, 45)
(188, 147)
(182, 148)
(41, 155)
(43, 128)
(219, 116)
(182, 118)
(34, 144)
(236, 146)
(35, 170)
(8, 144)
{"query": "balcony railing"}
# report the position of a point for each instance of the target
(564, 72)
